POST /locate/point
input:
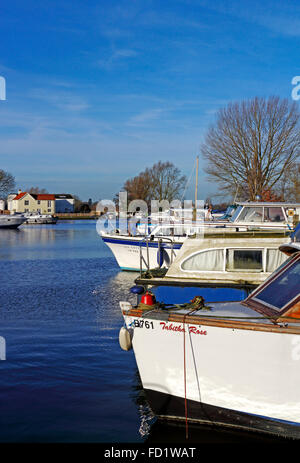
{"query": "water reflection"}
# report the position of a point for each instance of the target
(65, 239)
(108, 294)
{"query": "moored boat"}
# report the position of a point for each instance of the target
(11, 221)
(231, 364)
(37, 218)
(171, 234)
(237, 258)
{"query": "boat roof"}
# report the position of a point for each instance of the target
(232, 309)
(269, 204)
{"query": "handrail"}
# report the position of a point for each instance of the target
(146, 240)
(142, 259)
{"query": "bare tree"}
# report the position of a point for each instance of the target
(166, 181)
(37, 190)
(294, 183)
(7, 183)
(162, 181)
(252, 145)
(289, 184)
(138, 187)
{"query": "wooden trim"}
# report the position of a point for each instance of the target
(222, 323)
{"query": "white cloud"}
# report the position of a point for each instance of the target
(116, 57)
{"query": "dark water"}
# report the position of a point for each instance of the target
(65, 378)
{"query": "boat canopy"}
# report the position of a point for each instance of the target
(265, 212)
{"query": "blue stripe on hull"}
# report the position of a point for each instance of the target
(129, 269)
(151, 244)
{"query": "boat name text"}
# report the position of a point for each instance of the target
(143, 324)
(181, 329)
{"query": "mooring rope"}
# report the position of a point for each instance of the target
(184, 375)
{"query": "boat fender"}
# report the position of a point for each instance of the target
(125, 339)
(137, 289)
(148, 299)
(160, 256)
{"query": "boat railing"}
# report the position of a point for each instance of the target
(145, 260)
(142, 258)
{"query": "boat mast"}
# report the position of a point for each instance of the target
(196, 190)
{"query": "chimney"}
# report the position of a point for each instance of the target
(19, 191)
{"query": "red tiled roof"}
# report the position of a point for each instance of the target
(20, 195)
(40, 197)
(46, 197)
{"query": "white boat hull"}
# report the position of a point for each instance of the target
(127, 252)
(234, 377)
(10, 222)
(41, 220)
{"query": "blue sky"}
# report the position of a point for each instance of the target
(98, 90)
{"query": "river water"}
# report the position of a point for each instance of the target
(64, 377)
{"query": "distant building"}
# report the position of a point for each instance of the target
(2, 205)
(10, 198)
(31, 202)
(64, 203)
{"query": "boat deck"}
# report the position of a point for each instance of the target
(233, 315)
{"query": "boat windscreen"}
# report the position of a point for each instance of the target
(282, 290)
(235, 214)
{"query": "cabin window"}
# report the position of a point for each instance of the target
(273, 214)
(26, 202)
(248, 260)
(283, 289)
(251, 214)
(235, 213)
(275, 258)
(212, 260)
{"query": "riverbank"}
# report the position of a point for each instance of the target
(77, 216)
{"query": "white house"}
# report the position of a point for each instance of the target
(31, 202)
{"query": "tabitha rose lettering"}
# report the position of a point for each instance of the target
(179, 328)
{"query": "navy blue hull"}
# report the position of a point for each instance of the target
(169, 407)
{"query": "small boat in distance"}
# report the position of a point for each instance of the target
(37, 218)
(11, 221)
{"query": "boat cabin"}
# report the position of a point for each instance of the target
(266, 213)
(239, 258)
